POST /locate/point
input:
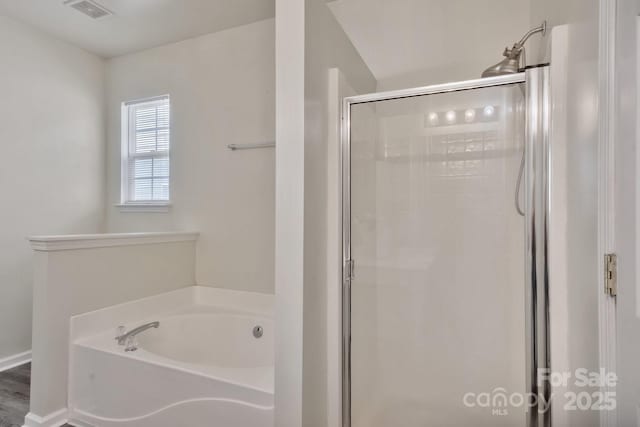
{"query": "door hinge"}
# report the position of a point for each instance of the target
(349, 267)
(611, 274)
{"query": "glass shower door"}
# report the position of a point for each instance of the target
(437, 300)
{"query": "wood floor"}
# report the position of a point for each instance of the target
(14, 396)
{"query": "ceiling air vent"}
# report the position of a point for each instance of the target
(89, 8)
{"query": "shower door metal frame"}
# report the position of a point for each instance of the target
(537, 210)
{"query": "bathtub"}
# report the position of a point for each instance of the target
(203, 366)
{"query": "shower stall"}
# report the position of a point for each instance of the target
(445, 284)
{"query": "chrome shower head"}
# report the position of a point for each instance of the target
(506, 66)
(513, 56)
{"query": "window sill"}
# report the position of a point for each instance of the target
(144, 207)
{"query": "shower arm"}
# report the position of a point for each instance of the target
(541, 29)
(518, 48)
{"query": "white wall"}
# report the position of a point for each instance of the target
(580, 13)
(326, 46)
(309, 43)
(627, 221)
(222, 92)
(290, 103)
(470, 38)
(409, 43)
(52, 176)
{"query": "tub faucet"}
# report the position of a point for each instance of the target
(128, 336)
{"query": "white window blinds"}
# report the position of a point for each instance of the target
(146, 151)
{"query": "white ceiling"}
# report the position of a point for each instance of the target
(400, 37)
(137, 24)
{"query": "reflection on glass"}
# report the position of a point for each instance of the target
(438, 299)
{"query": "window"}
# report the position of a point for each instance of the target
(145, 151)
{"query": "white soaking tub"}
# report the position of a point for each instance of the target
(203, 366)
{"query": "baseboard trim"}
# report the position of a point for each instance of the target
(15, 360)
(55, 419)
